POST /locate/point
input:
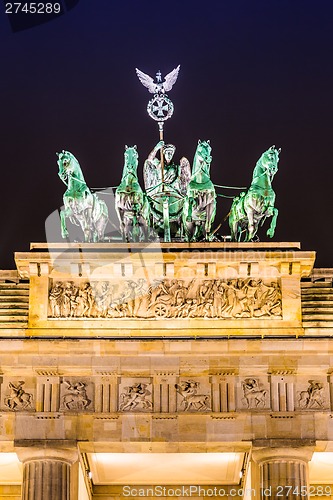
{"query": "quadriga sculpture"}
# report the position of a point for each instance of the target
(252, 207)
(131, 203)
(80, 205)
(200, 200)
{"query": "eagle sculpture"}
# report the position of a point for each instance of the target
(158, 87)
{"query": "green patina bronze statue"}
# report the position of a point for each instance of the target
(132, 206)
(80, 205)
(200, 200)
(251, 208)
(177, 205)
(166, 187)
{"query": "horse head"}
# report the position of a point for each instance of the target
(131, 161)
(203, 152)
(68, 165)
(201, 162)
(269, 161)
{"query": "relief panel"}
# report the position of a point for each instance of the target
(18, 394)
(312, 394)
(166, 298)
(193, 395)
(253, 394)
(76, 394)
(135, 394)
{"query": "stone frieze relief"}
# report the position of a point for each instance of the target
(125, 394)
(75, 396)
(136, 396)
(191, 400)
(18, 399)
(167, 298)
(253, 395)
(313, 397)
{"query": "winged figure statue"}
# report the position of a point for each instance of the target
(173, 188)
(158, 87)
(176, 175)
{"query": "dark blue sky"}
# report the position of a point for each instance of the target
(253, 73)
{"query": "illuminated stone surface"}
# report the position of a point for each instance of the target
(98, 385)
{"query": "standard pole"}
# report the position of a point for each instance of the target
(167, 235)
(160, 127)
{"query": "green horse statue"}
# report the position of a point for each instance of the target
(200, 201)
(80, 205)
(252, 207)
(132, 206)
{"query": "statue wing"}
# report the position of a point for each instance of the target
(146, 80)
(150, 175)
(184, 174)
(170, 79)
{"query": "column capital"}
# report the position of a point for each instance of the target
(63, 452)
(281, 450)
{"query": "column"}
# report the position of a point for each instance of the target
(46, 472)
(283, 470)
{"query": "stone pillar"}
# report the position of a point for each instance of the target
(46, 472)
(283, 471)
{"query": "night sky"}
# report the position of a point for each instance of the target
(253, 73)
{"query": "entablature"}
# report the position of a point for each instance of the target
(160, 289)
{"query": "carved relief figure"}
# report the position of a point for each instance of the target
(84, 301)
(135, 396)
(69, 303)
(18, 399)
(102, 298)
(141, 297)
(165, 298)
(55, 299)
(313, 397)
(253, 396)
(76, 398)
(192, 400)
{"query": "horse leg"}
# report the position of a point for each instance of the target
(86, 232)
(128, 234)
(184, 217)
(64, 213)
(143, 233)
(143, 219)
(67, 403)
(271, 230)
(101, 220)
(190, 204)
(210, 215)
(136, 227)
(89, 226)
(233, 224)
(27, 402)
(100, 228)
(251, 229)
(190, 231)
(122, 225)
